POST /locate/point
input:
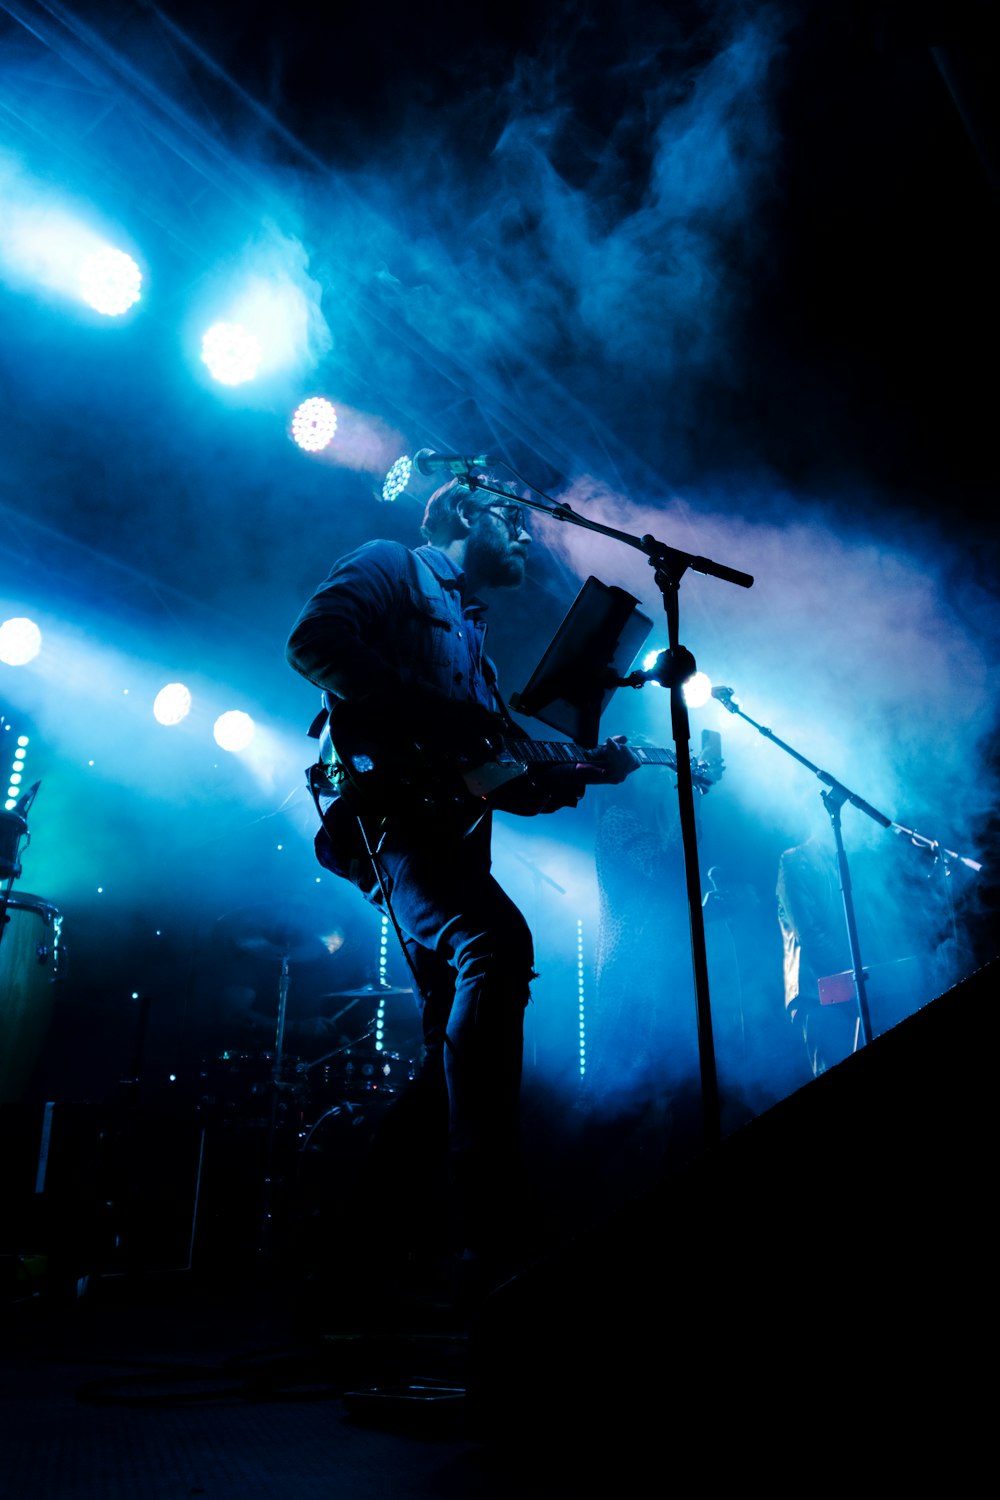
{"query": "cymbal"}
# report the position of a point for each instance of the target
(274, 932)
(364, 991)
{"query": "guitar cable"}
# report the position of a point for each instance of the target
(314, 775)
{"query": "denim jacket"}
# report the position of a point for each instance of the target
(387, 613)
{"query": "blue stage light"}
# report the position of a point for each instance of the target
(234, 730)
(14, 786)
(20, 641)
(697, 690)
(231, 353)
(314, 424)
(172, 703)
(397, 478)
(110, 281)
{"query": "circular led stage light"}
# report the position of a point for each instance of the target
(397, 478)
(20, 641)
(314, 423)
(110, 281)
(231, 353)
(172, 703)
(234, 730)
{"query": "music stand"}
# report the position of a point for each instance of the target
(585, 661)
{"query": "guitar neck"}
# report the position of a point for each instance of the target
(555, 752)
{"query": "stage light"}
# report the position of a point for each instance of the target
(49, 240)
(110, 281)
(398, 478)
(172, 703)
(234, 730)
(697, 690)
(20, 641)
(314, 424)
(231, 353)
(581, 998)
(14, 780)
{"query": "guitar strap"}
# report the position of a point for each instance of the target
(317, 779)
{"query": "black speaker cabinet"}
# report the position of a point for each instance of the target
(816, 1292)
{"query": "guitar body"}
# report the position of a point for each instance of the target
(454, 764)
(450, 766)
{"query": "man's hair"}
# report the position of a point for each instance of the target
(441, 523)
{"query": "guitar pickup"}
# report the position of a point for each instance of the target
(482, 781)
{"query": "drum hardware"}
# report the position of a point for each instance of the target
(354, 1074)
(283, 935)
(353, 1113)
(337, 1051)
(236, 1086)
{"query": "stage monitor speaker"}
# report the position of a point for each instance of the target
(821, 1282)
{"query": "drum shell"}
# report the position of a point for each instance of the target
(359, 1076)
(13, 828)
(29, 966)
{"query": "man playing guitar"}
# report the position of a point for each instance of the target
(394, 638)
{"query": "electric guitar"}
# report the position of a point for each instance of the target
(457, 765)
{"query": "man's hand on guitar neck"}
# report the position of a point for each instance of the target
(611, 763)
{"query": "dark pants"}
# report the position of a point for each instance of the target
(471, 954)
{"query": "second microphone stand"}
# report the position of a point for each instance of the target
(833, 798)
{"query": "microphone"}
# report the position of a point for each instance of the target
(23, 805)
(427, 462)
(727, 697)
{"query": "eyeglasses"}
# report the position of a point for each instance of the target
(512, 514)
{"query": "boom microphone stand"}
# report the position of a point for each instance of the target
(672, 670)
(834, 797)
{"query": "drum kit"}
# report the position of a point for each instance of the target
(268, 1109)
(367, 1068)
(244, 1088)
(299, 1125)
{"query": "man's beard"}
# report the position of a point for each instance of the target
(490, 561)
